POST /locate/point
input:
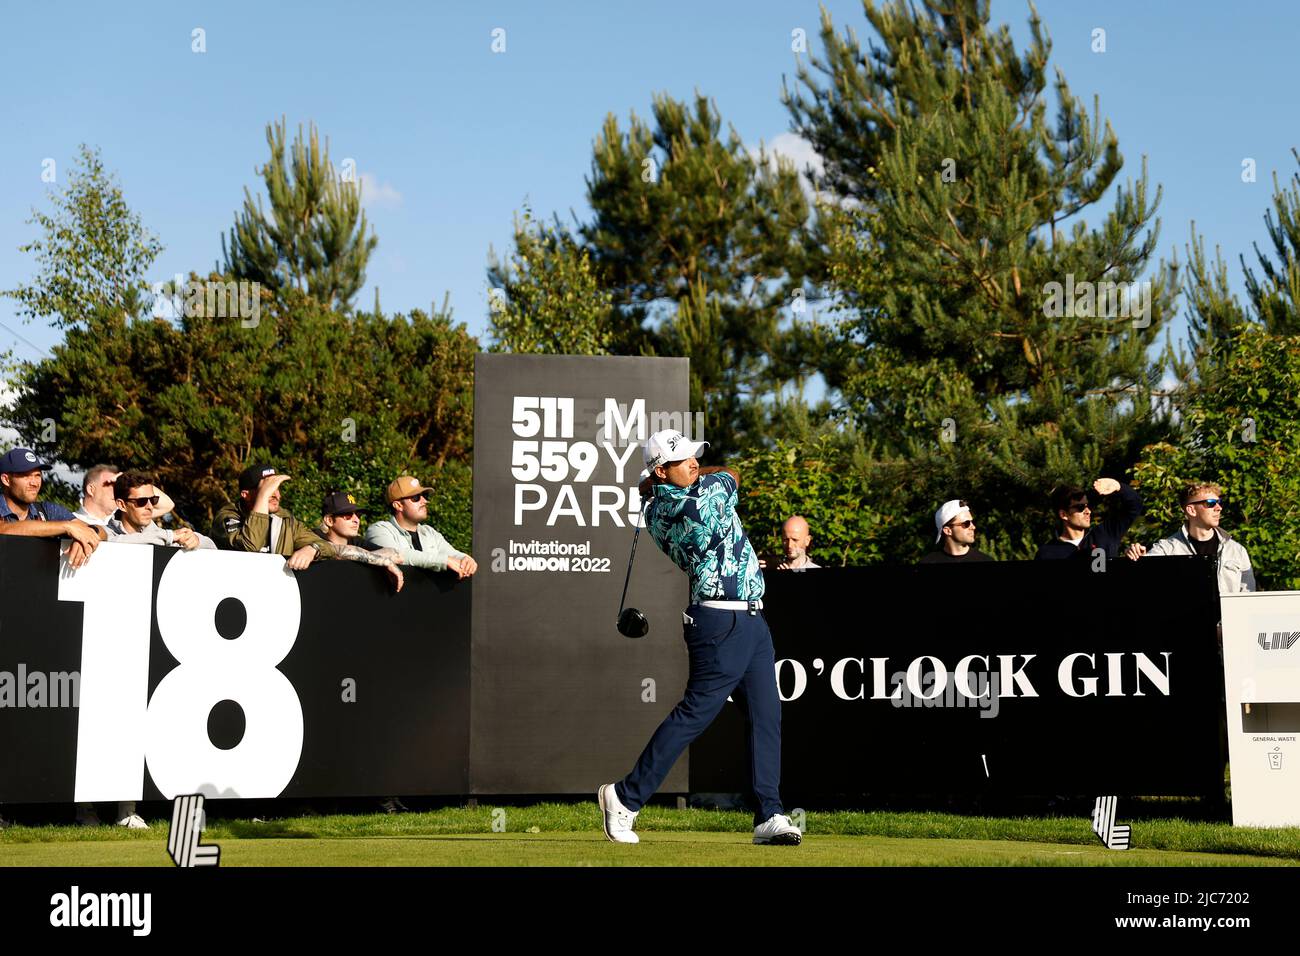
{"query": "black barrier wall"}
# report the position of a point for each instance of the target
(1088, 683)
(151, 672)
(561, 701)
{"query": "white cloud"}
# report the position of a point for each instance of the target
(8, 436)
(799, 151)
(801, 154)
(373, 193)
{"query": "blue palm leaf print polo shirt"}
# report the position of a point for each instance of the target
(698, 528)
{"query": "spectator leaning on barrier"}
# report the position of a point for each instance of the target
(341, 526)
(97, 504)
(258, 524)
(1077, 536)
(21, 514)
(420, 545)
(955, 526)
(1203, 508)
(136, 498)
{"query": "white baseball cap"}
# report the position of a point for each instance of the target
(947, 511)
(669, 445)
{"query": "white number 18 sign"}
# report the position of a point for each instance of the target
(121, 728)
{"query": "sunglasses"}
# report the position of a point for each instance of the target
(415, 498)
(141, 502)
(1208, 502)
(348, 514)
(962, 524)
(1080, 508)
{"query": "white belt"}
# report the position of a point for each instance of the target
(733, 605)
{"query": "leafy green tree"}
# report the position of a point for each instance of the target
(92, 255)
(1239, 391)
(340, 402)
(314, 238)
(1242, 433)
(545, 297)
(994, 343)
(823, 479)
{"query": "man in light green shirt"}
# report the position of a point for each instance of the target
(404, 531)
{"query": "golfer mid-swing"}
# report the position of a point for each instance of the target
(692, 517)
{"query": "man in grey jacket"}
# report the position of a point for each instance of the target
(1203, 508)
(136, 498)
(419, 544)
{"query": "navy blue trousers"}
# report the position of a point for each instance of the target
(731, 654)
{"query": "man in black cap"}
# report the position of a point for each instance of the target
(21, 514)
(341, 526)
(258, 524)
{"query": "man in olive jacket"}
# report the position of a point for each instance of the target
(257, 524)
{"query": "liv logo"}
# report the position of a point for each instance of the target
(1278, 641)
(187, 828)
(1114, 835)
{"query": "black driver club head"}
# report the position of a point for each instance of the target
(632, 623)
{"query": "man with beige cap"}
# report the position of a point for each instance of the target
(404, 531)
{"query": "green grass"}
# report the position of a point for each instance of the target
(554, 834)
(589, 849)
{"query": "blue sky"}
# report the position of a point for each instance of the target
(452, 138)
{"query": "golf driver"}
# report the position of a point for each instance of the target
(631, 622)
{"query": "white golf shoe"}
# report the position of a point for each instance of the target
(777, 831)
(618, 819)
(127, 817)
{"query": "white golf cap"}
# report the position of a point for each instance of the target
(669, 445)
(947, 511)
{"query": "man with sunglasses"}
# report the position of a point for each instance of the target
(956, 535)
(1202, 510)
(258, 524)
(419, 544)
(1078, 537)
(137, 501)
(340, 525)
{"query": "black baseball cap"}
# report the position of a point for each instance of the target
(339, 503)
(252, 476)
(19, 461)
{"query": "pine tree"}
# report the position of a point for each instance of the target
(1239, 390)
(997, 344)
(704, 248)
(315, 237)
(1215, 315)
